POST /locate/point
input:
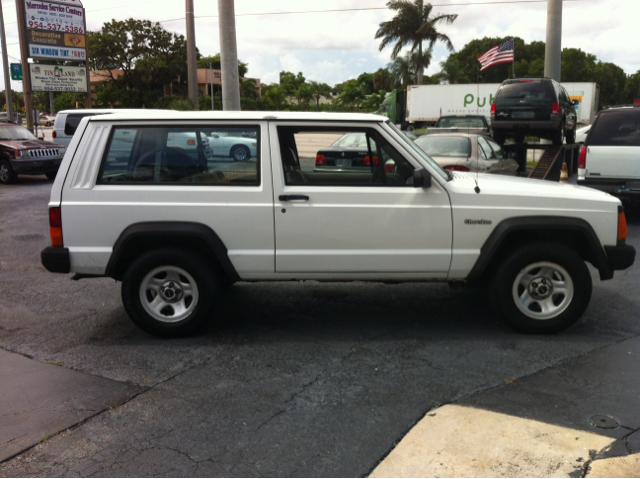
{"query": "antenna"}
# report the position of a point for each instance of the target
(477, 188)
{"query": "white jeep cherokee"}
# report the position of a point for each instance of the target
(175, 224)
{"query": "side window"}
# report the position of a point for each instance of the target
(194, 154)
(341, 157)
(497, 149)
(486, 151)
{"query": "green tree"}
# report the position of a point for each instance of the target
(304, 95)
(412, 25)
(68, 101)
(148, 56)
(402, 71)
(382, 80)
(366, 80)
(352, 95)
(318, 90)
(274, 99)
(373, 101)
(213, 61)
(451, 70)
(289, 82)
(249, 89)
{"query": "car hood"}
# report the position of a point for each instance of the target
(28, 145)
(532, 191)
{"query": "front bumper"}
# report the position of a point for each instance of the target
(34, 167)
(620, 256)
(56, 259)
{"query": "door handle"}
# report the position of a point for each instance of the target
(293, 197)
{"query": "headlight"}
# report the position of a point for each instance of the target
(61, 151)
(22, 153)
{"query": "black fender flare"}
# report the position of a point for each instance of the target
(172, 230)
(498, 236)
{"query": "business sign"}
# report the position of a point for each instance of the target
(54, 17)
(16, 71)
(77, 3)
(56, 38)
(58, 78)
(59, 53)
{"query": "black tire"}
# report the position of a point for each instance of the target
(240, 153)
(51, 175)
(518, 139)
(499, 138)
(557, 138)
(7, 175)
(533, 265)
(183, 288)
(571, 136)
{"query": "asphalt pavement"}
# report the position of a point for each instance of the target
(305, 378)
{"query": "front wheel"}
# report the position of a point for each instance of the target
(7, 175)
(571, 136)
(542, 288)
(169, 292)
(558, 136)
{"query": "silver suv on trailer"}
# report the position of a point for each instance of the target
(175, 224)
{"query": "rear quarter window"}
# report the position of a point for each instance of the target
(617, 128)
(72, 121)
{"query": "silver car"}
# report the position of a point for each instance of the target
(467, 152)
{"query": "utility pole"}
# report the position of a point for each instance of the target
(553, 47)
(211, 83)
(24, 54)
(192, 67)
(5, 65)
(228, 56)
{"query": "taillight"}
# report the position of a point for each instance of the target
(456, 168)
(582, 159)
(555, 108)
(390, 167)
(53, 134)
(493, 109)
(55, 226)
(366, 161)
(622, 226)
(321, 160)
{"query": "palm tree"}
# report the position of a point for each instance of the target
(412, 25)
(318, 90)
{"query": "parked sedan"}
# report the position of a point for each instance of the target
(349, 152)
(467, 152)
(46, 120)
(236, 147)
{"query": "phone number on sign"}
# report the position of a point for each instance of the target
(62, 88)
(55, 26)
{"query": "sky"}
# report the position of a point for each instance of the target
(336, 46)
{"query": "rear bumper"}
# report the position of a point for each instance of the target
(41, 165)
(525, 127)
(620, 256)
(56, 259)
(617, 187)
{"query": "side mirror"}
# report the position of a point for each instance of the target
(575, 103)
(421, 178)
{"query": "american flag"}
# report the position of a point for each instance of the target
(502, 53)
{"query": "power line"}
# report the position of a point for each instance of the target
(368, 8)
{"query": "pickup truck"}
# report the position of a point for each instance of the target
(461, 123)
(177, 226)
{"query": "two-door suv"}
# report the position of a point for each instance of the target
(533, 107)
(177, 225)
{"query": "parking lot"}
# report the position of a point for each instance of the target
(300, 379)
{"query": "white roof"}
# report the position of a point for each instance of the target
(235, 115)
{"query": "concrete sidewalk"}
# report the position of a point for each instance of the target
(579, 419)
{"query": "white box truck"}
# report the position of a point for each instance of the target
(427, 103)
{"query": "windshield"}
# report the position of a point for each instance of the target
(420, 152)
(352, 140)
(445, 146)
(15, 133)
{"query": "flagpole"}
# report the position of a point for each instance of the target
(513, 63)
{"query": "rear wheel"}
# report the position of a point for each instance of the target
(240, 153)
(169, 292)
(571, 136)
(558, 136)
(542, 288)
(518, 138)
(7, 175)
